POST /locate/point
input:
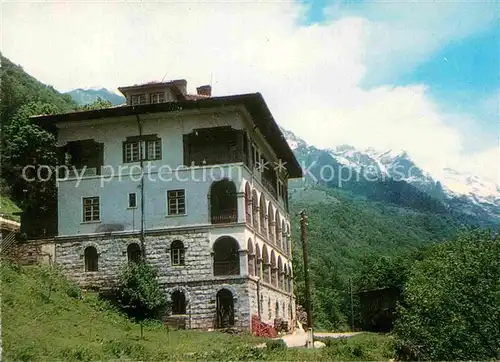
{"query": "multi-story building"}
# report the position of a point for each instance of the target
(194, 183)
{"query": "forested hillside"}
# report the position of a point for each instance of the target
(347, 234)
(24, 143)
(20, 88)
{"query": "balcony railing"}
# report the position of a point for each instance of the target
(224, 217)
(226, 268)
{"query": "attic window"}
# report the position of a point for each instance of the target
(157, 98)
(138, 99)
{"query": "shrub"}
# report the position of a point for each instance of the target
(452, 302)
(140, 292)
(276, 344)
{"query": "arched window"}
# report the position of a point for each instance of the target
(248, 204)
(285, 277)
(281, 284)
(178, 302)
(270, 222)
(177, 253)
(251, 258)
(277, 229)
(255, 209)
(284, 241)
(262, 211)
(269, 310)
(258, 261)
(223, 202)
(288, 240)
(226, 256)
(265, 265)
(274, 269)
(91, 259)
(277, 310)
(289, 279)
(134, 253)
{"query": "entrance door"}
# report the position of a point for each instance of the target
(225, 309)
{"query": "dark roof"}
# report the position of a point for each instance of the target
(253, 102)
(170, 83)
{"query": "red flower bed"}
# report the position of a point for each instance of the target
(262, 329)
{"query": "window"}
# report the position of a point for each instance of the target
(223, 202)
(91, 209)
(132, 200)
(157, 98)
(176, 202)
(138, 99)
(131, 151)
(178, 303)
(134, 253)
(91, 259)
(153, 150)
(177, 253)
(134, 147)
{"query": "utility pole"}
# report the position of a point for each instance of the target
(303, 238)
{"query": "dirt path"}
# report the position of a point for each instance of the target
(335, 335)
(299, 337)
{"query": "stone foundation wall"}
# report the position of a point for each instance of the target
(112, 255)
(36, 252)
(195, 279)
(268, 298)
(201, 302)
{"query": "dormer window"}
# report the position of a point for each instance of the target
(138, 99)
(157, 98)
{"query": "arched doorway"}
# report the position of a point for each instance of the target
(178, 300)
(91, 259)
(225, 309)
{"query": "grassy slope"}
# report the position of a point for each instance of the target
(8, 208)
(61, 326)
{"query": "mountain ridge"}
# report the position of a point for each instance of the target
(478, 197)
(88, 95)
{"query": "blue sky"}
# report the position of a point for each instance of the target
(462, 74)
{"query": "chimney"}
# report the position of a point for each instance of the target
(204, 90)
(181, 84)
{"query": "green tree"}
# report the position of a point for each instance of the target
(29, 158)
(140, 292)
(99, 103)
(451, 306)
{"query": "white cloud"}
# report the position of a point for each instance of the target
(309, 75)
(403, 34)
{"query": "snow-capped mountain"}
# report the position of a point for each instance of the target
(455, 190)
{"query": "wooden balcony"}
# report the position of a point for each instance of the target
(224, 217)
(226, 268)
